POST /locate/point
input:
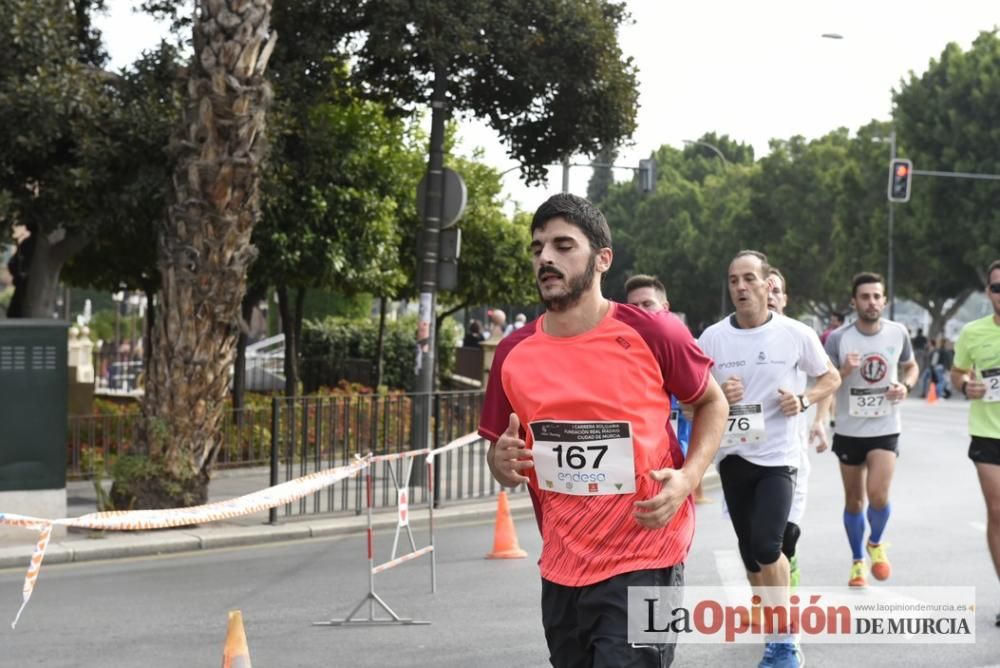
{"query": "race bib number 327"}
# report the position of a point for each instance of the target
(583, 458)
(869, 402)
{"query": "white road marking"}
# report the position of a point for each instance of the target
(978, 526)
(733, 575)
(730, 566)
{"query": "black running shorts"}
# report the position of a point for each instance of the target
(985, 450)
(853, 450)
(588, 626)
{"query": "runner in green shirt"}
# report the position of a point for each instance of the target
(976, 373)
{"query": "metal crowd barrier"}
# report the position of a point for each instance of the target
(402, 486)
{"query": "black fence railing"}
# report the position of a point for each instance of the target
(315, 433)
(265, 372)
(295, 437)
(95, 442)
(329, 370)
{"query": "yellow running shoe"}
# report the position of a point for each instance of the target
(881, 568)
(858, 578)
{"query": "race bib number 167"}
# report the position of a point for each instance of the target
(583, 458)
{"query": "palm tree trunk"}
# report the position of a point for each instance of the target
(204, 247)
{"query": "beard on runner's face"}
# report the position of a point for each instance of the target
(576, 286)
(870, 314)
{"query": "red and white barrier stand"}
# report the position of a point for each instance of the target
(403, 521)
(459, 442)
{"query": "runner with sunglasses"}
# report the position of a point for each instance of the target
(976, 373)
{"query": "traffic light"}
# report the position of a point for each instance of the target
(647, 175)
(900, 175)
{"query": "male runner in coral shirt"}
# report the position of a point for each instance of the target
(577, 406)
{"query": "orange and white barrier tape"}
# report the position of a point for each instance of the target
(137, 520)
(396, 456)
(459, 442)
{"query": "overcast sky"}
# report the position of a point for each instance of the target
(752, 70)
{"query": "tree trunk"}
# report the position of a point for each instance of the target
(147, 331)
(437, 328)
(380, 345)
(250, 300)
(240, 364)
(940, 314)
(204, 250)
(44, 254)
(300, 304)
(288, 328)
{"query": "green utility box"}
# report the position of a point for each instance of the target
(33, 401)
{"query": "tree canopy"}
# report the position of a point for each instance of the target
(500, 60)
(56, 102)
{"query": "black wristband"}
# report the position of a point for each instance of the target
(965, 384)
(909, 388)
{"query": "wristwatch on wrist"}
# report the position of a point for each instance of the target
(965, 384)
(804, 402)
(909, 388)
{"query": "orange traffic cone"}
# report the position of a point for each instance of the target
(932, 393)
(504, 538)
(236, 654)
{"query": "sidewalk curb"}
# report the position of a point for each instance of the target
(120, 545)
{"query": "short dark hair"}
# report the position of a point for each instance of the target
(765, 266)
(863, 278)
(579, 212)
(838, 316)
(645, 281)
(994, 265)
(774, 271)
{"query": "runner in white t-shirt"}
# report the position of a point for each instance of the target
(777, 300)
(757, 357)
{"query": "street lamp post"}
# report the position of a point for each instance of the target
(725, 163)
(712, 147)
(891, 278)
(890, 283)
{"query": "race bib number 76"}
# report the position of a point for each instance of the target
(744, 426)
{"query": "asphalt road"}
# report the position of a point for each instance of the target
(171, 610)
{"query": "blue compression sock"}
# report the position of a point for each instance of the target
(877, 519)
(854, 523)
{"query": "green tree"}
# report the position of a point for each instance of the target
(55, 106)
(949, 231)
(495, 263)
(121, 253)
(602, 177)
(699, 158)
(684, 232)
(794, 212)
(497, 61)
(339, 187)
